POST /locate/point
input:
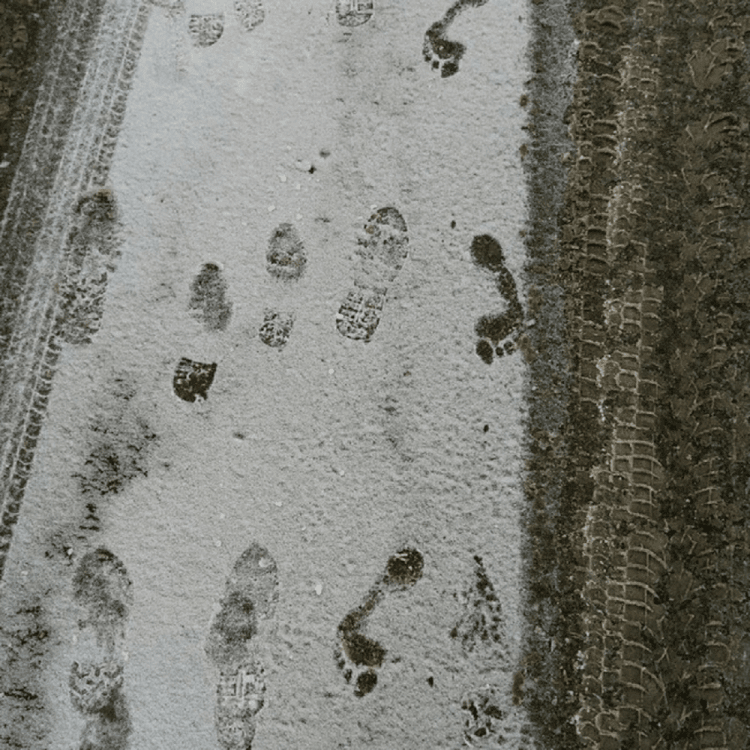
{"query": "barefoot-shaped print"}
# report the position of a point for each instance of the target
(357, 654)
(442, 53)
(497, 334)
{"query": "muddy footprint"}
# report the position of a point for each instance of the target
(192, 379)
(285, 260)
(442, 53)
(353, 12)
(382, 250)
(480, 634)
(101, 591)
(92, 249)
(248, 604)
(497, 334)
(356, 653)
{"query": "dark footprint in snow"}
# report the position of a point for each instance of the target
(481, 628)
(285, 260)
(382, 250)
(356, 653)
(442, 53)
(276, 328)
(208, 298)
(497, 334)
(206, 29)
(250, 13)
(353, 12)
(249, 601)
(480, 633)
(92, 253)
(101, 590)
(193, 379)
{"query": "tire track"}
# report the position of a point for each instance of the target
(83, 163)
(648, 586)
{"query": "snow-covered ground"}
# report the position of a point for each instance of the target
(332, 453)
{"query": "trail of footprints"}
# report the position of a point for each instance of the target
(101, 586)
(103, 597)
(443, 54)
(382, 250)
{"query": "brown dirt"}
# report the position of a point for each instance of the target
(642, 494)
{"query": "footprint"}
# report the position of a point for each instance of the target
(480, 633)
(206, 29)
(208, 300)
(193, 379)
(276, 328)
(497, 333)
(92, 252)
(481, 627)
(353, 12)
(101, 590)
(443, 54)
(356, 650)
(249, 601)
(250, 13)
(483, 714)
(286, 260)
(382, 251)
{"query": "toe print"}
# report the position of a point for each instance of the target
(208, 298)
(101, 591)
(353, 12)
(206, 29)
(382, 251)
(248, 603)
(193, 379)
(497, 334)
(442, 53)
(358, 654)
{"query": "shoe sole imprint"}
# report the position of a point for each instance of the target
(249, 601)
(353, 12)
(382, 251)
(76, 158)
(101, 590)
(208, 298)
(206, 29)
